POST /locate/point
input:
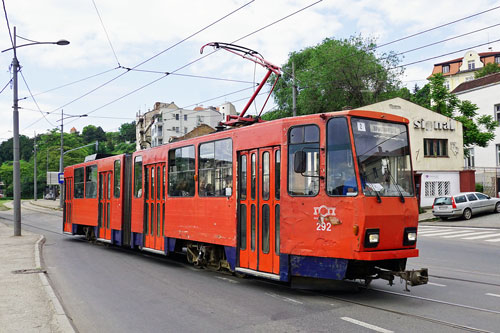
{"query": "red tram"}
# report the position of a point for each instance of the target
(326, 196)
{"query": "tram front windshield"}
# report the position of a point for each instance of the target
(383, 156)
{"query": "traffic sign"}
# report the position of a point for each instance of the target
(61, 177)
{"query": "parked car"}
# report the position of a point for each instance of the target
(465, 205)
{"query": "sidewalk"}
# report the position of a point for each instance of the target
(28, 303)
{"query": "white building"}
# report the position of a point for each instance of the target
(167, 121)
(436, 144)
(485, 93)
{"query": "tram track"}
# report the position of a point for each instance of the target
(343, 299)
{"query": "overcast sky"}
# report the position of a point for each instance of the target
(139, 30)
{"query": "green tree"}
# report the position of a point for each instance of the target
(335, 74)
(91, 133)
(127, 132)
(487, 69)
(422, 96)
(478, 130)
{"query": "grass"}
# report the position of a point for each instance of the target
(2, 201)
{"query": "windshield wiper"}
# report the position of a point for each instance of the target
(396, 185)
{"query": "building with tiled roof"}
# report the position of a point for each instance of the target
(485, 93)
(459, 70)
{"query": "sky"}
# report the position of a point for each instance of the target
(158, 36)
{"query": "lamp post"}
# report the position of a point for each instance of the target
(61, 162)
(15, 117)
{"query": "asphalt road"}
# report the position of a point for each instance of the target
(115, 290)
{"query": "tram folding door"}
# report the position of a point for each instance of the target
(68, 200)
(154, 206)
(104, 216)
(259, 209)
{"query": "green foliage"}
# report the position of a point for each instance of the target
(478, 130)
(422, 96)
(479, 187)
(49, 152)
(487, 69)
(337, 74)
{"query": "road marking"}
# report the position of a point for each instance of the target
(493, 240)
(369, 326)
(494, 295)
(442, 233)
(467, 234)
(422, 232)
(226, 279)
(436, 284)
(483, 236)
(286, 299)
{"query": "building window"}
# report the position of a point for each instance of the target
(181, 172)
(176, 116)
(446, 69)
(471, 64)
(160, 141)
(216, 169)
(497, 59)
(498, 154)
(447, 84)
(435, 147)
(469, 160)
(185, 117)
(177, 129)
(185, 130)
(436, 188)
(497, 113)
(160, 131)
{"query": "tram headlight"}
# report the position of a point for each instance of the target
(410, 236)
(372, 237)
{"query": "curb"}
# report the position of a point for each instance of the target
(62, 319)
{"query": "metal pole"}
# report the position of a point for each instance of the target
(16, 168)
(294, 92)
(61, 200)
(34, 172)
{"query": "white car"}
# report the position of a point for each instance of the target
(464, 204)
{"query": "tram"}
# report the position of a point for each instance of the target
(326, 196)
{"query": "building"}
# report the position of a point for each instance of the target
(459, 70)
(167, 121)
(485, 93)
(436, 144)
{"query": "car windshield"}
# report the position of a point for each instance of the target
(383, 156)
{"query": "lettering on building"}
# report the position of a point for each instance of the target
(434, 125)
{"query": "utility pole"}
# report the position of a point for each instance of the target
(34, 171)
(294, 91)
(61, 199)
(15, 164)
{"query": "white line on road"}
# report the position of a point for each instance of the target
(436, 284)
(370, 326)
(467, 234)
(494, 295)
(423, 232)
(493, 240)
(483, 236)
(287, 299)
(442, 233)
(226, 279)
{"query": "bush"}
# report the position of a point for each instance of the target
(479, 187)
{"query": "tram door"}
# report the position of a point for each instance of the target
(68, 199)
(104, 215)
(259, 209)
(154, 206)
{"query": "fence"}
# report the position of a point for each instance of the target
(489, 178)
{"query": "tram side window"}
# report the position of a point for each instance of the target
(341, 178)
(181, 172)
(117, 177)
(138, 176)
(216, 169)
(91, 181)
(306, 139)
(79, 183)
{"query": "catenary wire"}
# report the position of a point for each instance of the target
(8, 24)
(6, 86)
(106, 32)
(34, 100)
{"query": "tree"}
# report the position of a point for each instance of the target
(127, 132)
(478, 130)
(91, 133)
(487, 69)
(335, 74)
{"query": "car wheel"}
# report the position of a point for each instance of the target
(497, 207)
(467, 214)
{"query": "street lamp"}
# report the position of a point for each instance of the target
(61, 162)
(15, 116)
